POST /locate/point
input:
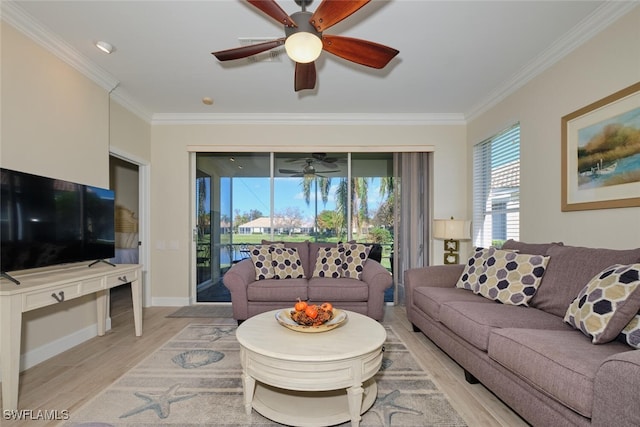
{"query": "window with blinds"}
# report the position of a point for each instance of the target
(496, 189)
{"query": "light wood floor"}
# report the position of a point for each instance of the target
(67, 381)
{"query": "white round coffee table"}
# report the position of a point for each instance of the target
(310, 379)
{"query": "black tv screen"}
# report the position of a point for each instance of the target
(45, 221)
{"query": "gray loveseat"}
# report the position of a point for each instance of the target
(547, 371)
(250, 296)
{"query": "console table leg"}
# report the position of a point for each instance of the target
(354, 394)
(136, 296)
(10, 333)
(101, 301)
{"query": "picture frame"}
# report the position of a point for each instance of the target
(451, 245)
(599, 171)
(450, 258)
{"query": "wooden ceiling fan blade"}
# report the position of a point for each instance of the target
(288, 171)
(305, 77)
(271, 8)
(330, 12)
(244, 51)
(362, 52)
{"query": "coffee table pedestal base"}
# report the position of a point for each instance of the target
(311, 408)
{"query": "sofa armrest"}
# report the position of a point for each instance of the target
(615, 400)
(441, 276)
(378, 279)
(237, 279)
(376, 276)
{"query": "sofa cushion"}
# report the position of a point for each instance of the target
(510, 277)
(303, 253)
(607, 303)
(353, 257)
(561, 364)
(474, 322)
(328, 262)
(429, 299)
(631, 333)
(472, 269)
(331, 290)
(529, 248)
(261, 257)
(570, 268)
(278, 290)
(313, 252)
(286, 263)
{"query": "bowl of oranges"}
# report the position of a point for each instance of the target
(307, 317)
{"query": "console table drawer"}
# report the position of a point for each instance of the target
(121, 279)
(46, 297)
(92, 285)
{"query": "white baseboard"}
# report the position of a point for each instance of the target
(53, 348)
(47, 351)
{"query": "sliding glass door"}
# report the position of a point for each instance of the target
(245, 198)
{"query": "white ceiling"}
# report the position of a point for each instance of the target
(456, 58)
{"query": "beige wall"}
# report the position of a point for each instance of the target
(54, 120)
(54, 123)
(605, 64)
(129, 133)
(171, 203)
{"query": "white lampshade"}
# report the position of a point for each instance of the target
(303, 47)
(451, 229)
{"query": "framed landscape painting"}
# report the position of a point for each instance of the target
(601, 153)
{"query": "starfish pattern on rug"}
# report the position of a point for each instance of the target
(386, 406)
(217, 334)
(159, 402)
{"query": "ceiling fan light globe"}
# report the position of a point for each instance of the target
(303, 47)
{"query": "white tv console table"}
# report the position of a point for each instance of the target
(53, 286)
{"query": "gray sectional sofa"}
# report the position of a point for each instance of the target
(546, 370)
(250, 296)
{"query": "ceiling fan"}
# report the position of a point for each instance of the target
(307, 170)
(304, 39)
(321, 158)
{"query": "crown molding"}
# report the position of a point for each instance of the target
(122, 98)
(597, 21)
(18, 18)
(601, 18)
(12, 14)
(311, 119)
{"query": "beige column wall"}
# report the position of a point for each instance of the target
(54, 123)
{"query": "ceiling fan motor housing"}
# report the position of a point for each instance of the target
(303, 25)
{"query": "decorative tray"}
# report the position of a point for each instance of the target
(284, 318)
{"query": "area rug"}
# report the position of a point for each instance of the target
(194, 380)
(203, 310)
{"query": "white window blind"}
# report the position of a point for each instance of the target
(496, 188)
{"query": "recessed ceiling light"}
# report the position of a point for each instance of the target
(207, 101)
(104, 46)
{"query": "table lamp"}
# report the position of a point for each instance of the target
(451, 231)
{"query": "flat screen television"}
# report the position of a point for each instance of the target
(46, 221)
